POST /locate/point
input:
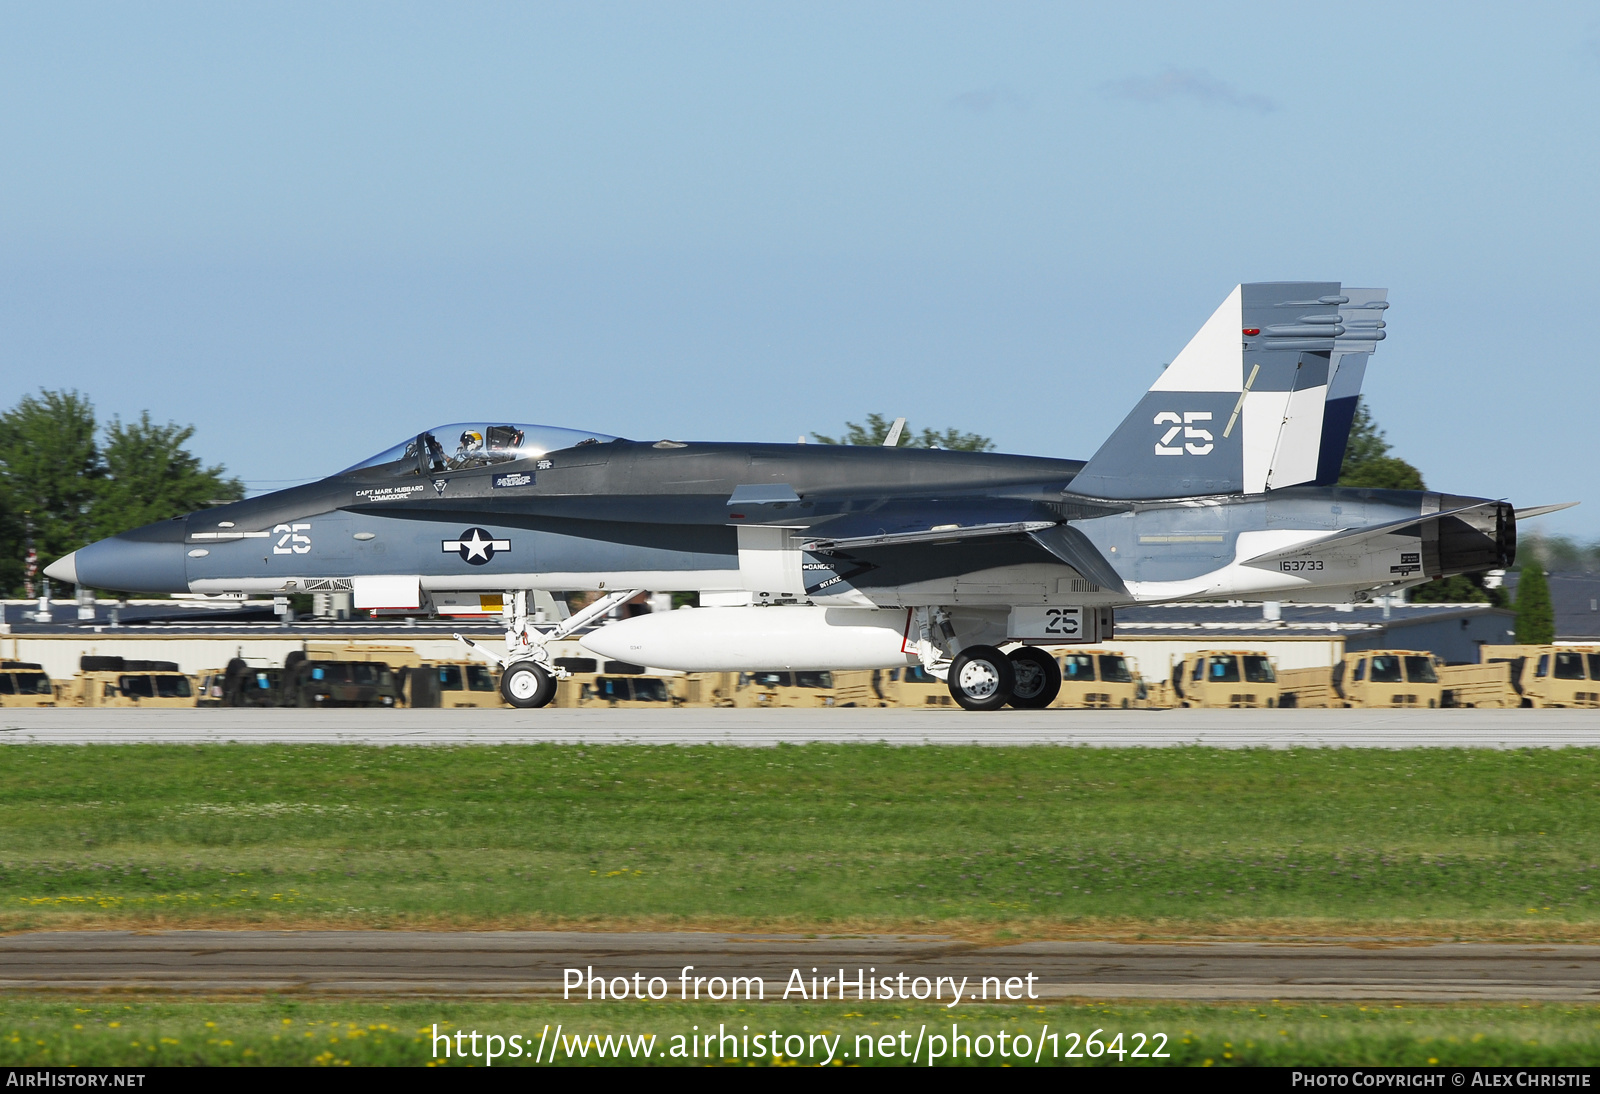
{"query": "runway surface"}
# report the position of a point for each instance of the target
(1153, 728)
(532, 964)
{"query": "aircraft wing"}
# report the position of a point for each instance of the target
(939, 533)
(1061, 540)
(1352, 536)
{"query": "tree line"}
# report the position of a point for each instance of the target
(66, 479)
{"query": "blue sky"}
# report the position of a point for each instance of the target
(311, 229)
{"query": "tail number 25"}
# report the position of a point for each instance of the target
(1184, 425)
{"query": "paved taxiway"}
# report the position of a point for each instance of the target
(511, 963)
(1156, 728)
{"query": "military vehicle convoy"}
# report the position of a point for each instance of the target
(387, 675)
(618, 684)
(363, 674)
(1507, 676)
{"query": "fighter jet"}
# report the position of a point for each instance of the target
(1218, 485)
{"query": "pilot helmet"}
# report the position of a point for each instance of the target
(471, 439)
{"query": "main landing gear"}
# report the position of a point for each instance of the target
(983, 678)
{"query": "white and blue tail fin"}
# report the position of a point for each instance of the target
(1260, 399)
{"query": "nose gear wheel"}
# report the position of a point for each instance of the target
(526, 685)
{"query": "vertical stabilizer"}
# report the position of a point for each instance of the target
(1252, 403)
(1362, 319)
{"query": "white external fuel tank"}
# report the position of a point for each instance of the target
(751, 639)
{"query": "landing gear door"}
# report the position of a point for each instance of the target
(1062, 625)
(770, 564)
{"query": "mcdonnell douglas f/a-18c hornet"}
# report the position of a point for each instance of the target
(1219, 484)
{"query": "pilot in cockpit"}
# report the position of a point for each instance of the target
(471, 450)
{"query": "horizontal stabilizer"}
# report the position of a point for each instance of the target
(1541, 510)
(1353, 536)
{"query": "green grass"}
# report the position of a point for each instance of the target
(277, 1031)
(1031, 840)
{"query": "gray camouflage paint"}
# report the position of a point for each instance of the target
(1129, 515)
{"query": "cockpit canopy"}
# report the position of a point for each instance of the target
(464, 445)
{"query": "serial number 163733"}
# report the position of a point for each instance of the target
(1297, 565)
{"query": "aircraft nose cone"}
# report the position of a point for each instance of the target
(146, 560)
(64, 569)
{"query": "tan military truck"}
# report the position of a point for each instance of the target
(123, 682)
(617, 684)
(782, 688)
(1230, 679)
(1098, 680)
(1563, 677)
(1528, 676)
(632, 692)
(25, 684)
(913, 686)
(1387, 678)
(454, 684)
